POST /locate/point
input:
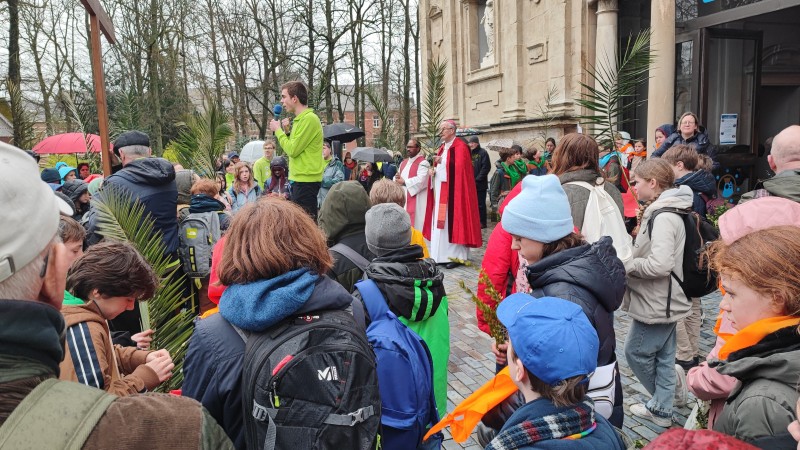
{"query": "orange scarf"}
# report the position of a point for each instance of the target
(754, 333)
(468, 413)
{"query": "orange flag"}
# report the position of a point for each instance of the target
(468, 413)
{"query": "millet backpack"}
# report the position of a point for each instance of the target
(310, 382)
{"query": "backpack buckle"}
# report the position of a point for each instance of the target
(360, 415)
(260, 413)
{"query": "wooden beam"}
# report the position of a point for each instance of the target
(95, 9)
(100, 93)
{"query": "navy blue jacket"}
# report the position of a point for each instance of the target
(701, 182)
(203, 203)
(699, 141)
(213, 366)
(152, 182)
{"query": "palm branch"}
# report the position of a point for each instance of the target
(388, 137)
(202, 138)
(434, 105)
(613, 90)
(22, 118)
(121, 217)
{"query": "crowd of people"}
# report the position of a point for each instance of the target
(322, 316)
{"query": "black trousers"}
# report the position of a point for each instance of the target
(482, 205)
(305, 195)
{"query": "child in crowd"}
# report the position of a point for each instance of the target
(277, 185)
(72, 235)
(761, 280)
(694, 170)
(204, 199)
(656, 302)
(704, 381)
(552, 350)
(78, 191)
(637, 154)
(222, 195)
(90, 357)
(412, 285)
(386, 191)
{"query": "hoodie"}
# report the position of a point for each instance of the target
(763, 401)
(414, 289)
(700, 182)
(93, 360)
(183, 182)
(152, 182)
(74, 189)
(653, 295)
(342, 219)
(203, 203)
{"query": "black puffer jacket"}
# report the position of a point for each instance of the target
(399, 276)
(152, 182)
(592, 277)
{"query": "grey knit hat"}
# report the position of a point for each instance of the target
(388, 228)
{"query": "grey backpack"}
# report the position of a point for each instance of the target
(198, 233)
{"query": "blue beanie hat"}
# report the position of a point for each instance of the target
(540, 212)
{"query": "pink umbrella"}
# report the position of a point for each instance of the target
(68, 143)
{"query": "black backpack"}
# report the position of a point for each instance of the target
(311, 382)
(698, 279)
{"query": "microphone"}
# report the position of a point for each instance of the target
(276, 111)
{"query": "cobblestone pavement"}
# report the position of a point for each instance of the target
(472, 364)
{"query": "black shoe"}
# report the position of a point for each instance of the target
(452, 265)
(688, 364)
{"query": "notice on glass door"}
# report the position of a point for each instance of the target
(727, 128)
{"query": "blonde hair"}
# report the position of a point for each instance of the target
(387, 191)
(271, 237)
(765, 261)
(656, 169)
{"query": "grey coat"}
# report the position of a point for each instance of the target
(762, 402)
(654, 257)
(579, 196)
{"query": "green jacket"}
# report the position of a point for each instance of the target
(261, 172)
(785, 184)
(763, 401)
(304, 148)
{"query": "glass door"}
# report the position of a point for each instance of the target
(730, 78)
(687, 73)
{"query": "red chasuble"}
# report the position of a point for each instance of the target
(460, 198)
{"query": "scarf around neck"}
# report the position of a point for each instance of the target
(574, 423)
(754, 333)
(515, 171)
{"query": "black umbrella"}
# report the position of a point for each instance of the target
(371, 154)
(342, 132)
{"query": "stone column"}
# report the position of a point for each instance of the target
(606, 42)
(661, 87)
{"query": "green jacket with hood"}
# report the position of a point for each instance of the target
(304, 147)
(786, 184)
(414, 289)
(342, 219)
(763, 401)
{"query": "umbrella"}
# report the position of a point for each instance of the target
(371, 154)
(342, 132)
(497, 144)
(463, 132)
(252, 151)
(68, 143)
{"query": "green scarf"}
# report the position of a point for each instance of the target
(515, 171)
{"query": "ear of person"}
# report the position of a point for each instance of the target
(55, 277)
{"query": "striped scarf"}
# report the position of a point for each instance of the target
(572, 424)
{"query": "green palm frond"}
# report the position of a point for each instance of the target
(202, 138)
(22, 118)
(388, 137)
(126, 115)
(433, 107)
(121, 217)
(614, 87)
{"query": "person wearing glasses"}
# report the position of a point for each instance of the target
(413, 177)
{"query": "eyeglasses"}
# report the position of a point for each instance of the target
(411, 146)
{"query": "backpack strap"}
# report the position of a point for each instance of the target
(650, 223)
(56, 414)
(354, 257)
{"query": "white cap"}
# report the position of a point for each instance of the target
(30, 211)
